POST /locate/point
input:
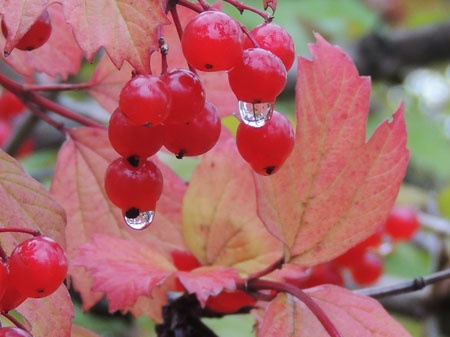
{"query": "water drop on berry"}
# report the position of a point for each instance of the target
(255, 114)
(142, 221)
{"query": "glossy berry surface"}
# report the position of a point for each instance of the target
(276, 39)
(133, 184)
(3, 279)
(145, 99)
(134, 140)
(259, 78)
(212, 41)
(402, 223)
(266, 148)
(37, 266)
(195, 137)
(367, 269)
(14, 332)
(187, 94)
(36, 36)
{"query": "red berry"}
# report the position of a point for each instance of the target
(134, 140)
(184, 261)
(10, 105)
(325, 273)
(230, 302)
(37, 266)
(259, 78)
(14, 332)
(133, 184)
(3, 279)
(275, 38)
(145, 99)
(36, 36)
(267, 147)
(195, 137)
(402, 223)
(367, 269)
(212, 41)
(187, 94)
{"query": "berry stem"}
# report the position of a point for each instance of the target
(56, 87)
(241, 7)
(32, 97)
(270, 268)
(15, 321)
(33, 232)
(258, 284)
(189, 5)
(164, 48)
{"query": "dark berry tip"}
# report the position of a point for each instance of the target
(180, 155)
(133, 160)
(269, 170)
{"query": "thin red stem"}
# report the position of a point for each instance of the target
(276, 265)
(241, 7)
(33, 232)
(15, 321)
(258, 284)
(56, 87)
(189, 5)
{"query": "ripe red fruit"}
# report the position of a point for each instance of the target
(133, 184)
(402, 223)
(195, 137)
(14, 332)
(212, 41)
(145, 99)
(187, 94)
(134, 140)
(36, 36)
(228, 302)
(259, 78)
(10, 105)
(367, 269)
(37, 266)
(266, 148)
(275, 38)
(3, 279)
(184, 261)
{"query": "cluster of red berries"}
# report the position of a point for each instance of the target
(364, 262)
(171, 110)
(34, 269)
(37, 34)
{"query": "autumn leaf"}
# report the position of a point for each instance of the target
(336, 188)
(209, 281)
(352, 314)
(127, 30)
(123, 274)
(78, 185)
(220, 224)
(59, 56)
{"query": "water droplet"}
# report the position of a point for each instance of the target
(255, 114)
(142, 221)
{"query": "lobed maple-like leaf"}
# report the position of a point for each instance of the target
(59, 56)
(352, 314)
(209, 281)
(336, 188)
(123, 274)
(220, 223)
(78, 184)
(126, 29)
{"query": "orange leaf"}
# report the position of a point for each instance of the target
(335, 189)
(352, 315)
(220, 224)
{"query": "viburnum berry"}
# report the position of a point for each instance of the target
(275, 38)
(259, 78)
(134, 140)
(195, 137)
(3, 279)
(37, 267)
(402, 223)
(36, 36)
(14, 332)
(10, 105)
(133, 185)
(266, 148)
(183, 260)
(212, 41)
(145, 100)
(367, 269)
(229, 302)
(187, 94)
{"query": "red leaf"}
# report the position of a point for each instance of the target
(78, 186)
(352, 315)
(209, 281)
(335, 189)
(126, 29)
(220, 224)
(111, 269)
(59, 56)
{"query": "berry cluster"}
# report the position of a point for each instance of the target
(36, 36)
(364, 262)
(35, 269)
(171, 110)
